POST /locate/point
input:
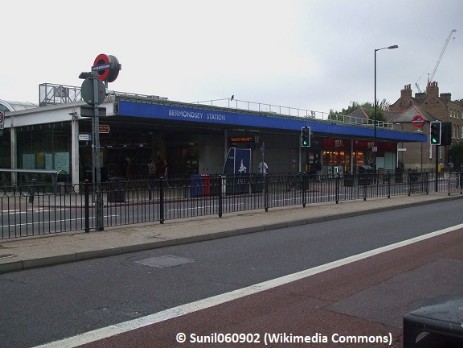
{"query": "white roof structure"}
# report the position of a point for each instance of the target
(16, 106)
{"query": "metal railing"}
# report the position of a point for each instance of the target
(54, 94)
(264, 107)
(37, 209)
(23, 177)
(292, 111)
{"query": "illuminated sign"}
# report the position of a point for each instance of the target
(242, 140)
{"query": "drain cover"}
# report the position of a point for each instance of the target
(165, 261)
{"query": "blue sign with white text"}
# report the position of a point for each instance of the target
(242, 118)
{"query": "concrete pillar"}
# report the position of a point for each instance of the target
(14, 152)
(75, 151)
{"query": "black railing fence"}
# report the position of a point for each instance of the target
(43, 208)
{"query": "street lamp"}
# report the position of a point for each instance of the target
(401, 148)
(376, 105)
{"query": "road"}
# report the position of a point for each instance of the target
(343, 306)
(66, 300)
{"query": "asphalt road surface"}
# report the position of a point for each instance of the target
(359, 304)
(44, 305)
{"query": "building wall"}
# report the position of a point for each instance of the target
(416, 156)
(211, 153)
(281, 152)
(439, 107)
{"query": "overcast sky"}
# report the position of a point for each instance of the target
(312, 54)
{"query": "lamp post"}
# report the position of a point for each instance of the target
(376, 106)
(421, 151)
(401, 149)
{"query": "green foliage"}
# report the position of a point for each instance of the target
(368, 107)
(456, 154)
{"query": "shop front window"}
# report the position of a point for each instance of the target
(44, 147)
(342, 159)
(6, 149)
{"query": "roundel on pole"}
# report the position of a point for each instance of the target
(418, 121)
(107, 67)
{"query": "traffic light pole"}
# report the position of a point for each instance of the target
(305, 142)
(437, 169)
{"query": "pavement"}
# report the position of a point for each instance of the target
(46, 250)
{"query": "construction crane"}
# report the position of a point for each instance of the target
(431, 76)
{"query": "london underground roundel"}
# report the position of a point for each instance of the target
(418, 121)
(107, 67)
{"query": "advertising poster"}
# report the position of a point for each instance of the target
(238, 166)
(238, 161)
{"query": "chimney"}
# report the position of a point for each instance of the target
(406, 92)
(432, 90)
(446, 97)
(420, 96)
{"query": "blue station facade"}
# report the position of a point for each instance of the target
(192, 138)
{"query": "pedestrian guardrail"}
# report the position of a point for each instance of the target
(36, 208)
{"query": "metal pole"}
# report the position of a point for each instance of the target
(86, 207)
(421, 157)
(266, 193)
(374, 120)
(436, 186)
(376, 106)
(96, 133)
(220, 181)
(161, 199)
(14, 151)
(93, 155)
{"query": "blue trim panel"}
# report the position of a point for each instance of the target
(226, 117)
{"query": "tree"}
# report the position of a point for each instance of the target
(456, 154)
(369, 107)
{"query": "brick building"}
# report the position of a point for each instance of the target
(431, 106)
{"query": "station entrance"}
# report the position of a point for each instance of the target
(127, 148)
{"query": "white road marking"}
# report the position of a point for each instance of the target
(192, 307)
(54, 222)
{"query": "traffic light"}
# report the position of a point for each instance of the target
(305, 137)
(435, 133)
(446, 133)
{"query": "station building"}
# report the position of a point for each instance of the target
(192, 137)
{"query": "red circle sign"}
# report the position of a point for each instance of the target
(107, 67)
(418, 121)
(104, 63)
